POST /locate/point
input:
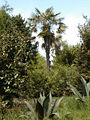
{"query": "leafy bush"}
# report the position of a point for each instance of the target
(16, 50)
(39, 79)
(62, 75)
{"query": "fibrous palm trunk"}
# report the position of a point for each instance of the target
(47, 49)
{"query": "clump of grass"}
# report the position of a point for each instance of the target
(75, 110)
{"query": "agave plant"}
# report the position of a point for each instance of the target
(77, 93)
(44, 107)
(85, 87)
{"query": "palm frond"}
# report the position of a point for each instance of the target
(57, 14)
(49, 10)
(38, 11)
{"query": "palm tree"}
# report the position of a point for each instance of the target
(45, 22)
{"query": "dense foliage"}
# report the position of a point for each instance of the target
(84, 55)
(16, 52)
(23, 71)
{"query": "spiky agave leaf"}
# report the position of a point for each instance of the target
(47, 104)
(41, 98)
(85, 88)
(76, 92)
(22, 116)
(55, 114)
(56, 105)
(34, 103)
(31, 109)
(88, 86)
(39, 111)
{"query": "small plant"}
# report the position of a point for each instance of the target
(77, 93)
(85, 87)
(44, 107)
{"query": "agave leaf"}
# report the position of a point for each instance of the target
(34, 103)
(85, 88)
(53, 114)
(31, 109)
(29, 106)
(56, 105)
(68, 113)
(47, 104)
(88, 86)
(29, 115)
(21, 116)
(44, 94)
(41, 95)
(76, 92)
(39, 111)
(41, 99)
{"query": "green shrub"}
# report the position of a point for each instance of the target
(62, 75)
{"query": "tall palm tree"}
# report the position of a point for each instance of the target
(45, 22)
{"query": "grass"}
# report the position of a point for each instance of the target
(70, 109)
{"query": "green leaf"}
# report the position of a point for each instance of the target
(88, 86)
(47, 104)
(84, 85)
(53, 114)
(41, 99)
(56, 14)
(42, 34)
(37, 10)
(76, 92)
(23, 116)
(56, 105)
(39, 111)
(31, 109)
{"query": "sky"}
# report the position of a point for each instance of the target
(71, 10)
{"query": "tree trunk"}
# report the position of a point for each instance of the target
(47, 48)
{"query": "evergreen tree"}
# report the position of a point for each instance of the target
(84, 56)
(16, 53)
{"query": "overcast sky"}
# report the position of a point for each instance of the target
(71, 10)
